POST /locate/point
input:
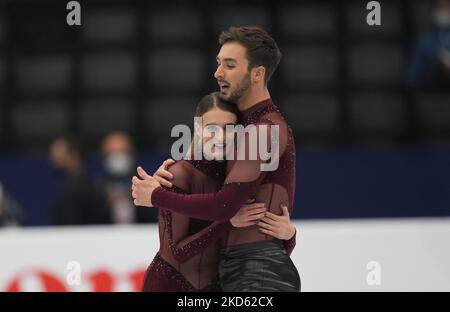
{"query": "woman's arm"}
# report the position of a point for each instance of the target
(280, 227)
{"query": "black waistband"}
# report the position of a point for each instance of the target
(255, 248)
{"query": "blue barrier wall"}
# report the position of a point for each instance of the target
(330, 184)
(361, 184)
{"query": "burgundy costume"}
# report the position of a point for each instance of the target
(190, 263)
(189, 248)
(244, 180)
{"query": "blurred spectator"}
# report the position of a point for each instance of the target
(78, 201)
(119, 167)
(10, 210)
(430, 61)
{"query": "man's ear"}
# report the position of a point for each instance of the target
(258, 74)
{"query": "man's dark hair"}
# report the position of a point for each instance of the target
(262, 50)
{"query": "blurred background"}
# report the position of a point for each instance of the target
(81, 106)
(369, 105)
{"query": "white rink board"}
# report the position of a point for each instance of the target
(413, 255)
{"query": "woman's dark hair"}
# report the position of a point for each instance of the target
(212, 100)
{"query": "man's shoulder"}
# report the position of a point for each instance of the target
(272, 118)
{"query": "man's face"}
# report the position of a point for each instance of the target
(232, 72)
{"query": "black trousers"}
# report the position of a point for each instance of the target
(260, 266)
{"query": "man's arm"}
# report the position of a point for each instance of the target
(220, 206)
(242, 182)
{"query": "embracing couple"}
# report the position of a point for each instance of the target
(225, 225)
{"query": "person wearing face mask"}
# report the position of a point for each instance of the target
(78, 201)
(118, 166)
(430, 60)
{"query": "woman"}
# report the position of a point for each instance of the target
(190, 248)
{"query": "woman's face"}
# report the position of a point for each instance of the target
(214, 123)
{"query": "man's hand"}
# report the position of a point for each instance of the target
(249, 214)
(142, 189)
(162, 175)
(277, 226)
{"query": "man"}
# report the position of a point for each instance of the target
(252, 260)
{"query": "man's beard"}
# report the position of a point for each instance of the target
(241, 88)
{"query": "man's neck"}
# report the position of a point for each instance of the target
(252, 98)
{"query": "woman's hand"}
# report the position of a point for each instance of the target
(277, 226)
(142, 189)
(249, 214)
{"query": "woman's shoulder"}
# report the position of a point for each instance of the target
(182, 172)
(180, 167)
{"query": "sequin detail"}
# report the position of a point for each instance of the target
(194, 247)
(161, 276)
(213, 169)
